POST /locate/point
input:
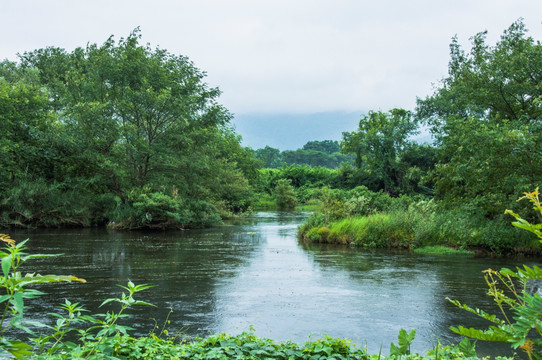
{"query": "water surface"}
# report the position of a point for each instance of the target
(255, 274)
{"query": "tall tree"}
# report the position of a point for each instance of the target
(326, 146)
(25, 117)
(486, 116)
(499, 83)
(270, 157)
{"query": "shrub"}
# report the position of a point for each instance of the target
(38, 203)
(285, 194)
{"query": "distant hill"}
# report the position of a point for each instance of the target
(292, 131)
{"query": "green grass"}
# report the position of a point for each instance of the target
(306, 207)
(440, 250)
(378, 230)
(434, 232)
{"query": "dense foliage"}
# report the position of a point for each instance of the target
(486, 117)
(379, 143)
(517, 296)
(116, 132)
(375, 220)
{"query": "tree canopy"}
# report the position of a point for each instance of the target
(325, 153)
(499, 83)
(486, 116)
(378, 143)
(121, 121)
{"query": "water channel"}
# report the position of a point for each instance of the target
(254, 273)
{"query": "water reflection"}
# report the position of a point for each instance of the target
(403, 290)
(184, 266)
(254, 273)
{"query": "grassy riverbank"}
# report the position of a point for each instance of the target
(421, 225)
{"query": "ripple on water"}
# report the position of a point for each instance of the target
(254, 273)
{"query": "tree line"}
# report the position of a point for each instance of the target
(325, 153)
(485, 117)
(130, 136)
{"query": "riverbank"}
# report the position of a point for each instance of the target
(416, 228)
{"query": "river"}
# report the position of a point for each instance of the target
(254, 274)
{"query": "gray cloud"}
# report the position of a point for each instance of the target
(278, 56)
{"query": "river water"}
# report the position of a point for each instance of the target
(255, 274)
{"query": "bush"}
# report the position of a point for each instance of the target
(157, 210)
(285, 195)
(38, 203)
(410, 224)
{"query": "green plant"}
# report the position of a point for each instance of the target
(103, 336)
(521, 309)
(16, 290)
(465, 348)
(404, 340)
(533, 197)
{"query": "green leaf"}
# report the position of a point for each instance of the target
(394, 350)
(29, 279)
(484, 335)
(480, 313)
(6, 265)
(467, 348)
(18, 302)
(18, 349)
(38, 256)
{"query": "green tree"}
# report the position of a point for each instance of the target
(315, 158)
(25, 116)
(270, 157)
(378, 143)
(485, 116)
(498, 83)
(326, 146)
(134, 128)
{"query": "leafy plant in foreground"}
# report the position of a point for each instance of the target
(102, 337)
(404, 340)
(520, 306)
(15, 291)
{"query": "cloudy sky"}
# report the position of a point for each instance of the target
(332, 59)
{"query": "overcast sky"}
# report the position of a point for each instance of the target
(282, 56)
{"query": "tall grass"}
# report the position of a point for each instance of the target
(420, 226)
